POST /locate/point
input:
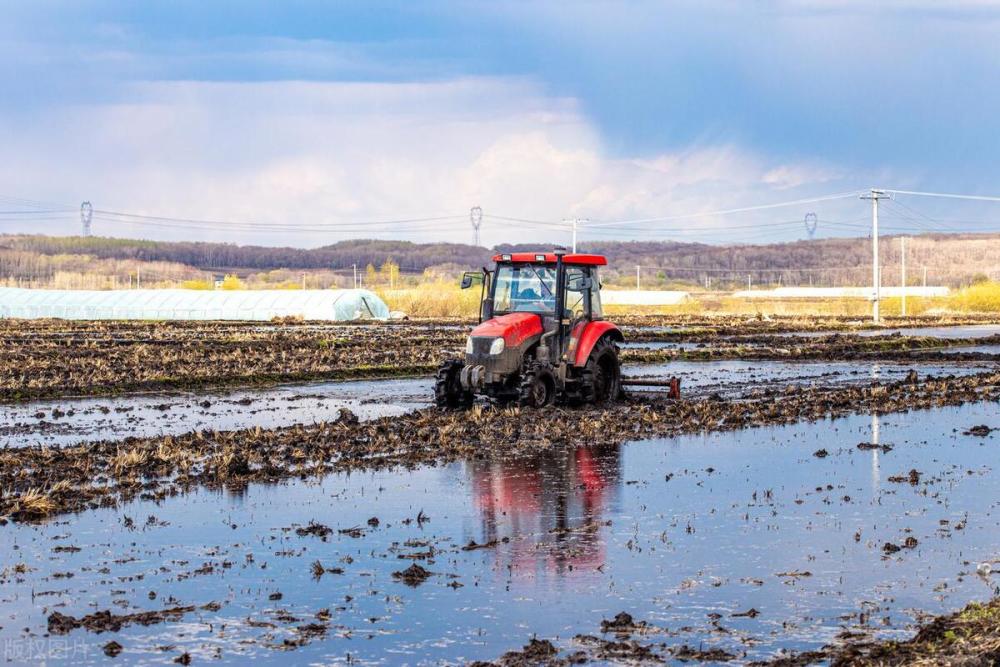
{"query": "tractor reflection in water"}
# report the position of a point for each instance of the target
(553, 504)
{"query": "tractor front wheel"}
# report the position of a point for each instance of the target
(602, 376)
(538, 387)
(448, 390)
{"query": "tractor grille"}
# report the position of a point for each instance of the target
(480, 349)
(509, 361)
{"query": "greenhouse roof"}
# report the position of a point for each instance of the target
(182, 304)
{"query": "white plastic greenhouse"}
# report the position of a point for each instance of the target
(182, 304)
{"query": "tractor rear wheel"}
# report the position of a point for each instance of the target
(448, 390)
(602, 375)
(538, 386)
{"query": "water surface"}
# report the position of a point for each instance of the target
(682, 533)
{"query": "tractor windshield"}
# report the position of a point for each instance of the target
(525, 288)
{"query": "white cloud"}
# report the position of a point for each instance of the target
(309, 153)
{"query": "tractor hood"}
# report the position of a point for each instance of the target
(514, 328)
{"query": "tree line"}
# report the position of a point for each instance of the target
(949, 259)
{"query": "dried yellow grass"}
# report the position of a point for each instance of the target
(124, 461)
(35, 503)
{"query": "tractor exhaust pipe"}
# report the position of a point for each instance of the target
(560, 307)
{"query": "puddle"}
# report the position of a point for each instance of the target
(961, 331)
(671, 531)
(735, 377)
(963, 349)
(67, 421)
(661, 345)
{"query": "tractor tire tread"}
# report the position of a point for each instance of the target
(588, 386)
(446, 393)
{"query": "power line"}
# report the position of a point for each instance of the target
(33, 203)
(411, 228)
(750, 270)
(944, 195)
(744, 209)
(197, 221)
(37, 212)
(929, 224)
(540, 223)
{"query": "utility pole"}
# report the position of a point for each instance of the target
(86, 214)
(925, 277)
(574, 224)
(637, 276)
(476, 218)
(748, 283)
(875, 195)
(902, 271)
(355, 275)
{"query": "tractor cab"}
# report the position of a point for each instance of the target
(541, 335)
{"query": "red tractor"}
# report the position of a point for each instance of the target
(541, 336)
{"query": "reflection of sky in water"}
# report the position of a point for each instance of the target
(646, 528)
(735, 376)
(663, 345)
(963, 331)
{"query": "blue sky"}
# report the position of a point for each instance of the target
(316, 112)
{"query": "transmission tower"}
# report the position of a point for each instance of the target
(86, 213)
(476, 218)
(811, 222)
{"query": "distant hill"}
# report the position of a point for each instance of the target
(948, 258)
(222, 256)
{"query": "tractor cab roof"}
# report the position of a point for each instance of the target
(549, 258)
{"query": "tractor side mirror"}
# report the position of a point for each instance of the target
(471, 278)
(580, 284)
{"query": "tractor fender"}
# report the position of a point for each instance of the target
(593, 332)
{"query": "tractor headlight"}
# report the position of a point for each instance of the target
(496, 347)
(468, 345)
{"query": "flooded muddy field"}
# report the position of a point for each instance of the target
(50, 358)
(71, 421)
(807, 491)
(738, 378)
(956, 331)
(40, 359)
(753, 542)
(67, 421)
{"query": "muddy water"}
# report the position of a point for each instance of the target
(964, 349)
(733, 378)
(962, 331)
(672, 531)
(662, 345)
(66, 421)
(69, 421)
